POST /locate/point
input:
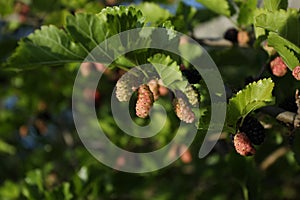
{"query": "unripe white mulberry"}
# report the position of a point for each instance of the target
(153, 86)
(191, 94)
(183, 110)
(127, 84)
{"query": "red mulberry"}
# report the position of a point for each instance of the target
(243, 144)
(296, 73)
(278, 67)
(144, 101)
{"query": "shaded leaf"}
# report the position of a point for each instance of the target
(7, 148)
(35, 178)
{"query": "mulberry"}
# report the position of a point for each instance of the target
(254, 130)
(243, 144)
(127, 84)
(278, 67)
(183, 110)
(144, 102)
(296, 73)
(191, 95)
(231, 35)
(243, 38)
(154, 88)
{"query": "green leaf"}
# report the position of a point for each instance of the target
(259, 31)
(255, 95)
(169, 72)
(10, 190)
(87, 29)
(35, 178)
(47, 46)
(6, 7)
(66, 191)
(247, 12)
(57, 18)
(53, 46)
(273, 5)
(121, 18)
(285, 49)
(218, 6)
(283, 22)
(7, 148)
(147, 9)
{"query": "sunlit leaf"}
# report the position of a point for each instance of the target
(255, 95)
(219, 6)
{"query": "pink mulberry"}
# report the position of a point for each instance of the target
(243, 144)
(183, 110)
(144, 102)
(278, 67)
(296, 72)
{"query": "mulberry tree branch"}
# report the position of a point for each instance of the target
(283, 115)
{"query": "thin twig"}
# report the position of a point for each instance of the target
(266, 163)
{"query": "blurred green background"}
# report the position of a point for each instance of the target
(42, 157)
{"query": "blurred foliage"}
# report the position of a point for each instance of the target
(42, 156)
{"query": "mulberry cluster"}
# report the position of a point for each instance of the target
(243, 144)
(150, 92)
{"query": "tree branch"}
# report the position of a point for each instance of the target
(283, 115)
